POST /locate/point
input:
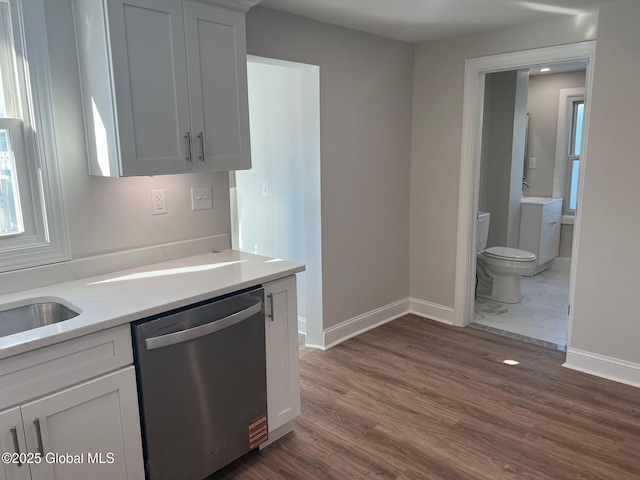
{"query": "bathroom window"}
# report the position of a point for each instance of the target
(573, 163)
(32, 230)
(11, 128)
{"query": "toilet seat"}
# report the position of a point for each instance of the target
(511, 254)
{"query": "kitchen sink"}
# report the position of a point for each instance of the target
(39, 313)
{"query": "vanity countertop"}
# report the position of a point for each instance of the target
(540, 200)
(121, 297)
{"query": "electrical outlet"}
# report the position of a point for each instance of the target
(201, 198)
(158, 202)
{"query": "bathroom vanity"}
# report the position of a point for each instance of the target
(540, 224)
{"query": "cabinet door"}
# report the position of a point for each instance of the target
(11, 432)
(96, 423)
(150, 85)
(281, 336)
(217, 66)
(550, 237)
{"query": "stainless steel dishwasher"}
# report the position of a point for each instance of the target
(202, 385)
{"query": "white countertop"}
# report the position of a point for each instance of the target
(540, 200)
(116, 298)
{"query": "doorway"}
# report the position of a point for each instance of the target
(275, 206)
(475, 73)
(529, 164)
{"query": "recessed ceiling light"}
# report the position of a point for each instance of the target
(511, 362)
(545, 69)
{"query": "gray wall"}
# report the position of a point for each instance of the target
(605, 319)
(437, 139)
(544, 95)
(365, 128)
(113, 214)
(502, 155)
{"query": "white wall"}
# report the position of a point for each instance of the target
(281, 134)
(365, 138)
(114, 214)
(273, 225)
(437, 139)
(606, 318)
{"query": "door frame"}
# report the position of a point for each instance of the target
(474, 83)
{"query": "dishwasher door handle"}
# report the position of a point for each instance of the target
(202, 330)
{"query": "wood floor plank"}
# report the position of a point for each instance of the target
(415, 399)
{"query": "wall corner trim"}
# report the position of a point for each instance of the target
(433, 311)
(352, 327)
(362, 323)
(602, 366)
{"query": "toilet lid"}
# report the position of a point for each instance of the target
(512, 254)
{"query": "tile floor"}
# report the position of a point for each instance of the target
(540, 318)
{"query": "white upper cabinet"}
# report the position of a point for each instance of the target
(217, 72)
(164, 85)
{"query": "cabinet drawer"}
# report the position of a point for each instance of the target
(47, 369)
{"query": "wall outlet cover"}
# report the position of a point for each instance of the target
(158, 202)
(201, 198)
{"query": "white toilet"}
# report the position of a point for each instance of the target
(498, 269)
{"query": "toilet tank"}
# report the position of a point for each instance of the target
(482, 230)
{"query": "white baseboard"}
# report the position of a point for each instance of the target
(360, 324)
(434, 311)
(337, 334)
(601, 366)
(560, 264)
(302, 325)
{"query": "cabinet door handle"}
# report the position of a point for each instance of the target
(36, 422)
(16, 445)
(270, 314)
(204, 156)
(190, 152)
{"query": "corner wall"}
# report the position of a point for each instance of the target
(365, 138)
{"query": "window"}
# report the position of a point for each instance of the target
(32, 228)
(11, 126)
(571, 113)
(573, 163)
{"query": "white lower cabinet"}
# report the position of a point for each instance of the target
(281, 336)
(12, 441)
(79, 430)
(540, 225)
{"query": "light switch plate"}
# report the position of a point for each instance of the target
(201, 198)
(533, 163)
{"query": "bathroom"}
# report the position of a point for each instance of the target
(531, 138)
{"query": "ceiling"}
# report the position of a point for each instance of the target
(416, 21)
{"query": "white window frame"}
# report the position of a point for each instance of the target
(562, 169)
(49, 242)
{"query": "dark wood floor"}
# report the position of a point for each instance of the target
(414, 399)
